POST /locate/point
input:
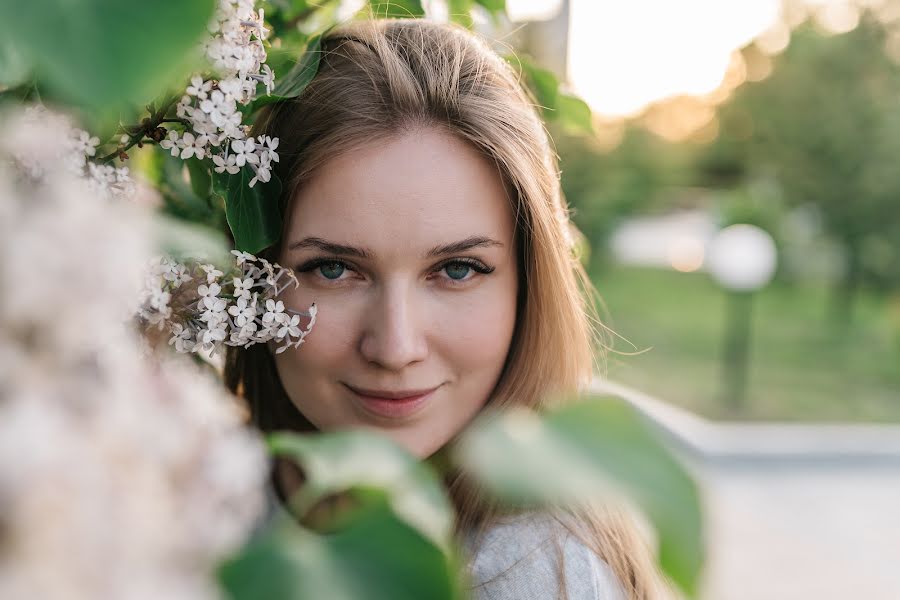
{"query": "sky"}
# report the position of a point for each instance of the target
(624, 55)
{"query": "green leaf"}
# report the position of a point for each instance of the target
(575, 113)
(543, 82)
(253, 213)
(596, 447)
(495, 8)
(106, 54)
(201, 180)
(389, 9)
(14, 69)
(375, 557)
(460, 11)
(288, 9)
(292, 84)
(340, 461)
(183, 240)
(172, 178)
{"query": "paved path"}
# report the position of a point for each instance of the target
(793, 512)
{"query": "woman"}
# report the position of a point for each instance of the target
(424, 217)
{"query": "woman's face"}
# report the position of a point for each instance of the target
(407, 248)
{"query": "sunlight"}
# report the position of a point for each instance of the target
(624, 56)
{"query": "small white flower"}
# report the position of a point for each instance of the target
(274, 312)
(212, 335)
(198, 87)
(181, 109)
(231, 88)
(242, 257)
(219, 108)
(191, 145)
(212, 273)
(242, 287)
(171, 143)
(289, 327)
(213, 307)
(263, 171)
(243, 311)
(270, 144)
(232, 128)
(86, 144)
(182, 338)
(159, 300)
(244, 152)
(211, 291)
(225, 164)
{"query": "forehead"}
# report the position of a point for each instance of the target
(417, 189)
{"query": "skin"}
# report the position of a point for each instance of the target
(401, 318)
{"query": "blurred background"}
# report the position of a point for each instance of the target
(710, 113)
(740, 202)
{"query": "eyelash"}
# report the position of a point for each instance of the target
(476, 265)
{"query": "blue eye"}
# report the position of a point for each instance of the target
(464, 269)
(331, 270)
(457, 270)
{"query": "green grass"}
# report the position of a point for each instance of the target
(802, 366)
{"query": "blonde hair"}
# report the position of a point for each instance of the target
(379, 78)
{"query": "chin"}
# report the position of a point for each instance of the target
(414, 444)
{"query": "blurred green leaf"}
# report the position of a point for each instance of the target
(575, 113)
(182, 240)
(543, 82)
(339, 461)
(172, 178)
(253, 213)
(289, 8)
(105, 54)
(388, 9)
(14, 69)
(376, 556)
(460, 12)
(589, 449)
(201, 179)
(495, 8)
(293, 84)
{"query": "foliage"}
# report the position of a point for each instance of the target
(103, 54)
(604, 187)
(826, 123)
(802, 368)
(594, 448)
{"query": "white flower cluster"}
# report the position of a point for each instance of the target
(120, 477)
(211, 107)
(240, 309)
(44, 138)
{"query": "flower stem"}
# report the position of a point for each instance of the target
(142, 131)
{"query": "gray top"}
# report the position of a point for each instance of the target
(519, 558)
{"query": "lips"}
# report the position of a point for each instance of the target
(391, 404)
(390, 394)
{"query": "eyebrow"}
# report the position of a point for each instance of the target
(475, 241)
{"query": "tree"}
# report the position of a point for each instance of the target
(827, 124)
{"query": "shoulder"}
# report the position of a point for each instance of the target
(520, 559)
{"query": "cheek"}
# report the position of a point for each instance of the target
(331, 340)
(304, 370)
(476, 333)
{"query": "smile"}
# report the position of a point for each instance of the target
(391, 404)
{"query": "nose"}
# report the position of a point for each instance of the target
(393, 336)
